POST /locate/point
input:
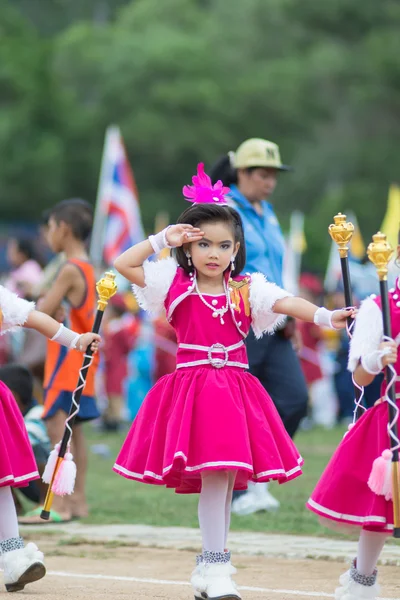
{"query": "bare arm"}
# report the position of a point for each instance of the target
(59, 290)
(361, 377)
(48, 327)
(129, 264)
(296, 307)
(43, 323)
(305, 311)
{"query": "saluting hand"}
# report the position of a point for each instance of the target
(177, 235)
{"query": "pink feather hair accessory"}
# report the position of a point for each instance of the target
(203, 191)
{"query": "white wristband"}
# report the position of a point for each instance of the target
(159, 241)
(66, 337)
(372, 362)
(323, 317)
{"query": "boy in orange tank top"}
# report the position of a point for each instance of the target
(70, 224)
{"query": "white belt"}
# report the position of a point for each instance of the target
(218, 363)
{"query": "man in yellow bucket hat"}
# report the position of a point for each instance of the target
(251, 173)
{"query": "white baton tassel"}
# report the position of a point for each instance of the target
(64, 481)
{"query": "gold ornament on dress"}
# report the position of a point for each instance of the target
(240, 291)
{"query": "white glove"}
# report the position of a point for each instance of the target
(66, 337)
(159, 241)
(372, 362)
(323, 317)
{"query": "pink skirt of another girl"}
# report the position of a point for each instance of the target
(202, 419)
(17, 463)
(342, 495)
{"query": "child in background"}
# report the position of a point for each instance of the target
(22, 564)
(74, 288)
(120, 331)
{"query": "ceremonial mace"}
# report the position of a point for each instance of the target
(106, 288)
(379, 253)
(341, 233)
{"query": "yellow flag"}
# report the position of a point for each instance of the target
(357, 246)
(391, 222)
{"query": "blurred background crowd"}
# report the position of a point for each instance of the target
(186, 81)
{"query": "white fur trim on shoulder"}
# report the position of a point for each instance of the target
(15, 310)
(158, 277)
(368, 332)
(263, 296)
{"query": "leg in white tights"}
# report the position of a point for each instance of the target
(8, 515)
(212, 509)
(228, 504)
(370, 545)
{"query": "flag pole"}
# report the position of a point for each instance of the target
(100, 216)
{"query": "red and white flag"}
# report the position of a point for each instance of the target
(117, 222)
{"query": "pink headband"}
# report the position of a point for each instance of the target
(202, 191)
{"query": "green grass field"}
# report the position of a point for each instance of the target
(114, 499)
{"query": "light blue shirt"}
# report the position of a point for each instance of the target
(265, 245)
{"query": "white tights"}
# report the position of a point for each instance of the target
(8, 515)
(370, 545)
(215, 508)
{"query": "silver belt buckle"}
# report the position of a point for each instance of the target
(218, 363)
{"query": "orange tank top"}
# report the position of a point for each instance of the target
(62, 365)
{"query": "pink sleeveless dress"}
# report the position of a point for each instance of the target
(17, 462)
(342, 495)
(210, 414)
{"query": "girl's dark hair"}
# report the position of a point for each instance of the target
(223, 170)
(198, 214)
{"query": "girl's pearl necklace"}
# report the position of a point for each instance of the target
(216, 312)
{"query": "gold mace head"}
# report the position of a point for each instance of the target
(341, 232)
(106, 288)
(380, 252)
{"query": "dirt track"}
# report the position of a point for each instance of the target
(106, 565)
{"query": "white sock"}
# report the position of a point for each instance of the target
(8, 515)
(212, 507)
(228, 504)
(370, 545)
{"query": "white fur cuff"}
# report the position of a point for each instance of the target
(15, 310)
(158, 277)
(263, 296)
(368, 333)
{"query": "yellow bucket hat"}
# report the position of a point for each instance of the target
(257, 152)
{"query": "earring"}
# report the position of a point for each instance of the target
(232, 263)
(188, 259)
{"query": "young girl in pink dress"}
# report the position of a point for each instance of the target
(22, 564)
(210, 427)
(347, 495)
